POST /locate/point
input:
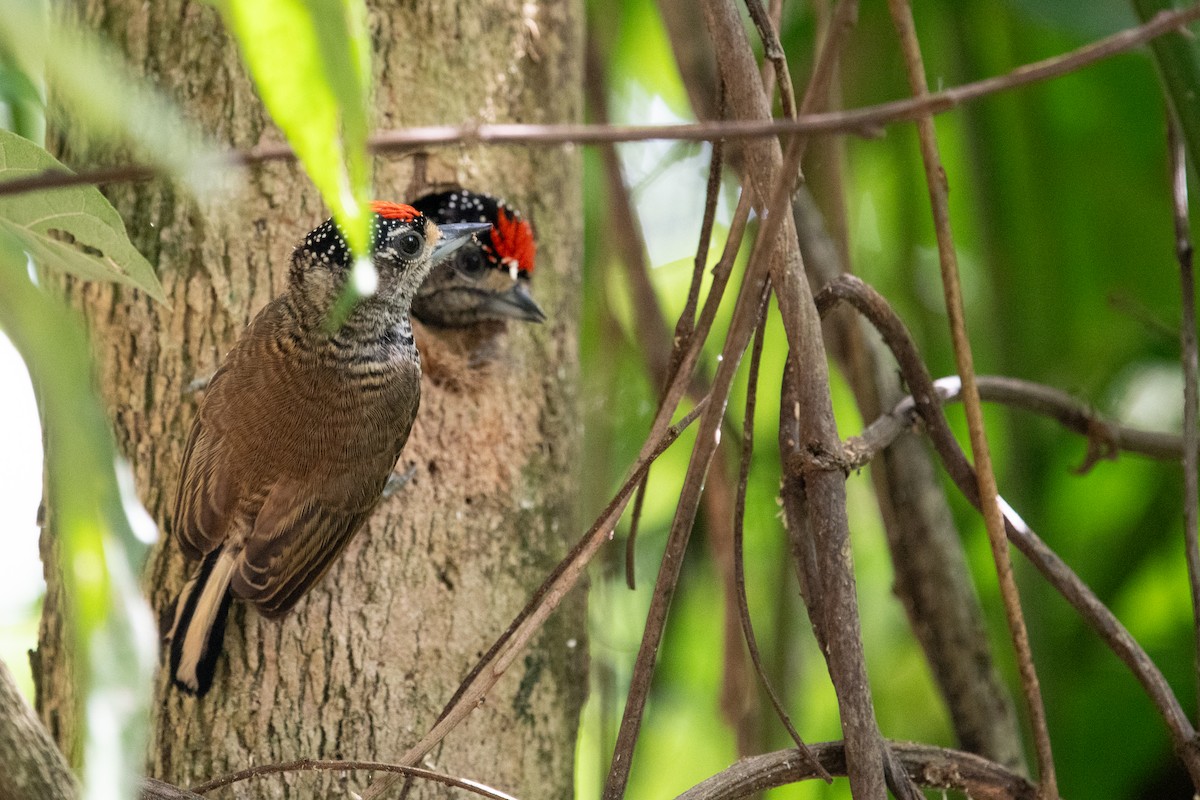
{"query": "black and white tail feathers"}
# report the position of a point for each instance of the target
(199, 629)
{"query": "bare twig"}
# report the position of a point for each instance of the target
(712, 192)
(931, 767)
(935, 177)
(741, 710)
(866, 121)
(649, 321)
(687, 340)
(327, 765)
(820, 85)
(662, 357)
(932, 578)
(742, 325)
(772, 176)
(153, 789)
(875, 308)
(739, 519)
(1187, 348)
(1110, 437)
(773, 51)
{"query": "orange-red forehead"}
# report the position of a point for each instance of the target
(399, 211)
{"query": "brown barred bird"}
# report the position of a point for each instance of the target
(298, 432)
(486, 281)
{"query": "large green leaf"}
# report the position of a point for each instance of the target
(310, 61)
(26, 106)
(72, 230)
(104, 98)
(102, 532)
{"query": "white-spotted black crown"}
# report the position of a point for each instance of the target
(327, 242)
(508, 246)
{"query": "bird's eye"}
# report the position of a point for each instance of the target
(410, 244)
(470, 261)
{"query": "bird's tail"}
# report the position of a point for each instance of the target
(199, 629)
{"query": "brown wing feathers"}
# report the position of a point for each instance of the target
(311, 551)
(294, 541)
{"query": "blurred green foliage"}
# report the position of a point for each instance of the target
(1061, 209)
(102, 530)
(311, 62)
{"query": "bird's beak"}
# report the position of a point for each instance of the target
(454, 236)
(516, 303)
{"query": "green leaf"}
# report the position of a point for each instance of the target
(15, 86)
(104, 98)
(310, 61)
(72, 230)
(26, 107)
(102, 532)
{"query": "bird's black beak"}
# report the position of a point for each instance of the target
(454, 236)
(516, 303)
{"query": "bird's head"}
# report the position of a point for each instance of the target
(405, 245)
(487, 279)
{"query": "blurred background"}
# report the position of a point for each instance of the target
(1062, 216)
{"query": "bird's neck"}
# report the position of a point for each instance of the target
(373, 318)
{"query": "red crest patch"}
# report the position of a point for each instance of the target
(394, 210)
(512, 239)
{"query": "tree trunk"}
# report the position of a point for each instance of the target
(364, 664)
(33, 767)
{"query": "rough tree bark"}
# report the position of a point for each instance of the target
(33, 767)
(366, 661)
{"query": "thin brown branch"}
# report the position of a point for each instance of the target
(932, 578)
(635, 522)
(742, 325)
(939, 198)
(720, 278)
(928, 766)
(1108, 437)
(160, 790)
(1188, 355)
(487, 672)
(867, 121)
(772, 176)
(327, 765)
(842, 21)
(650, 323)
(739, 519)
(662, 355)
(876, 310)
(712, 192)
(773, 51)
(662, 358)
